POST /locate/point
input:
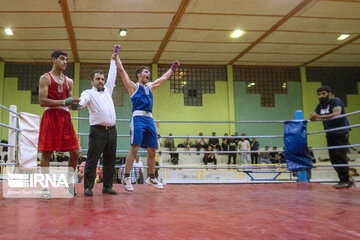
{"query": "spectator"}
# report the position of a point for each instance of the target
(214, 142)
(265, 156)
(274, 156)
(225, 143)
(5, 149)
(254, 146)
(60, 157)
(81, 172)
(81, 158)
(231, 147)
(138, 170)
(174, 157)
(352, 173)
(244, 145)
(169, 142)
(200, 143)
(159, 141)
(236, 140)
(188, 143)
(209, 157)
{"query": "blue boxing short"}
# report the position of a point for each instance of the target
(142, 131)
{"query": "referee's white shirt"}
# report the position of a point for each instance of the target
(100, 104)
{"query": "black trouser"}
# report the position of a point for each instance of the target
(101, 140)
(254, 158)
(233, 155)
(175, 161)
(339, 156)
(210, 159)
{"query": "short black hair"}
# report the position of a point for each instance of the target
(324, 88)
(140, 70)
(57, 53)
(95, 72)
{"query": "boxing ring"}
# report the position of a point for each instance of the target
(246, 207)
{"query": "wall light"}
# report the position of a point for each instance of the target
(237, 33)
(9, 31)
(123, 32)
(343, 36)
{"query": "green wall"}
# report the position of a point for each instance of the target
(171, 107)
(248, 107)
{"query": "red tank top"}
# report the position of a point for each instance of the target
(57, 91)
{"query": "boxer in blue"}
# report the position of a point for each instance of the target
(142, 127)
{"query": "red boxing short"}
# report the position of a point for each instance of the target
(57, 132)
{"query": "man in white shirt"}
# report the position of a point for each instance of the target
(103, 133)
(244, 145)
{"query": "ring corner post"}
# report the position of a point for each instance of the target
(299, 115)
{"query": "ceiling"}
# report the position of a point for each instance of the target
(277, 32)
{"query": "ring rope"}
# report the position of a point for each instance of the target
(335, 129)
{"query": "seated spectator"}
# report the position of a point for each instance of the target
(225, 143)
(81, 172)
(169, 142)
(265, 156)
(214, 142)
(138, 170)
(200, 143)
(352, 173)
(275, 156)
(5, 149)
(81, 158)
(188, 143)
(209, 157)
(244, 145)
(174, 157)
(231, 147)
(61, 157)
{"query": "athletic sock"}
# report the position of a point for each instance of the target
(127, 175)
(152, 176)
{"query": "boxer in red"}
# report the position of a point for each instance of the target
(56, 130)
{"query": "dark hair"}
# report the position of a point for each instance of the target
(57, 53)
(324, 88)
(95, 72)
(140, 70)
(354, 170)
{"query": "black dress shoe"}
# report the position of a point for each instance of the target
(109, 191)
(88, 192)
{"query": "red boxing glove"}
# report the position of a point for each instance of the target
(117, 48)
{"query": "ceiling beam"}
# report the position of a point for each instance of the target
(332, 50)
(272, 29)
(180, 12)
(69, 28)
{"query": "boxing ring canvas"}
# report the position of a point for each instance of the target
(241, 211)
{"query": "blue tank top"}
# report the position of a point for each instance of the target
(142, 99)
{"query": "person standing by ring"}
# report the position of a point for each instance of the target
(326, 109)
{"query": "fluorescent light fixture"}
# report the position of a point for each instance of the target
(237, 33)
(123, 32)
(251, 85)
(9, 31)
(343, 36)
(284, 85)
